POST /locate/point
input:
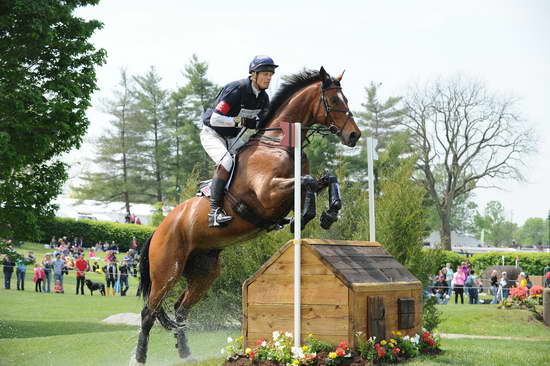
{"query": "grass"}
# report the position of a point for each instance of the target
(67, 329)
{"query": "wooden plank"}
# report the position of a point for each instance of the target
(388, 286)
(311, 265)
(268, 263)
(285, 311)
(279, 289)
(376, 314)
(341, 242)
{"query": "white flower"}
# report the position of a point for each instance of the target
(424, 330)
(276, 335)
(359, 333)
(372, 339)
(406, 338)
(297, 352)
(288, 334)
(416, 339)
(229, 339)
(222, 351)
(264, 343)
(277, 344)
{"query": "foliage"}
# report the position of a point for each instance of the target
(92, 232)
(365, 346)
(47, 77)
(317, 345)
(530, 263)
(431, 315)
(158, 214)
(533, 231)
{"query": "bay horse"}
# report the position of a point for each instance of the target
(260, 196)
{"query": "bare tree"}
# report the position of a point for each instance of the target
(466, 133)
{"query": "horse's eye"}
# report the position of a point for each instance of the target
(334, 99)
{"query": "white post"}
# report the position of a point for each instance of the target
(371, 154)
(297, 231)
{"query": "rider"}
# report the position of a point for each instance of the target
(242, 103)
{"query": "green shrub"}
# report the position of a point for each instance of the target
(530, 263)
(92, 232)
(431, 315)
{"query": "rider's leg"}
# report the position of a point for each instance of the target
(217, 215)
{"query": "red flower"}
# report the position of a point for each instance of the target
(381, 353)
(344, 345)
(340, 352)
(259, 342)
(430, 341)
(396, 350)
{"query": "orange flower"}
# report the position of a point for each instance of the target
(340, 352)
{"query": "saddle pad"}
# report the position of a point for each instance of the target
(204, 186)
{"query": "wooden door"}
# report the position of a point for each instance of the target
(376, 315)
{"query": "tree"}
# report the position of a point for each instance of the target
(382, 120)
(47, 76)
(151, 122)
(116, 155)
(498, 231)
(533, 231)
(474, 135)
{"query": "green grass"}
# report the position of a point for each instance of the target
(66, 329)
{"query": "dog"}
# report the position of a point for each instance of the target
(94, 286)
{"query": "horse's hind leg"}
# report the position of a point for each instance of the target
(165, 262)
(200, 271)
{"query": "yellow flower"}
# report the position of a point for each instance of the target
(305, 348)
(332, 355)
(383, 342)
(398, 334)
(295, 362)
(391, 345)
(393, 341)
(240, 339)
(248, 351)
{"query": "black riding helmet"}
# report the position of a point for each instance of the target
(262, 63)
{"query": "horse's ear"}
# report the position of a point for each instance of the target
(323, 74)
(339, 77)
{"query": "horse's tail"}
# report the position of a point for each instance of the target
(144, 276)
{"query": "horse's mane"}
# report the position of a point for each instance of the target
(292, 83)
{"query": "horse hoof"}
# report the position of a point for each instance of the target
(134, 362)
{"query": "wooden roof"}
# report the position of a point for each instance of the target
(362, 265)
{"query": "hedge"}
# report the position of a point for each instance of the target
(92, 231)
(530, 263)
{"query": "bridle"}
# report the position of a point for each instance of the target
(329, 120)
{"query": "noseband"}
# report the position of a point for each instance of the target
(329, 120)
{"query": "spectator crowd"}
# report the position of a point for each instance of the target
(68, 258)
(464, 280)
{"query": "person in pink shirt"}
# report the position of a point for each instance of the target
(458, 280)
(38, 277)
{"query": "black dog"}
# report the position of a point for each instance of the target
(93, 286)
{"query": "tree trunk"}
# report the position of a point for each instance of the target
(445, 231)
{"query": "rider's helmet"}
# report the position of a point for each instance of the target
(262, 63)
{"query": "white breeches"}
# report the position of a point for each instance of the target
(217, 147)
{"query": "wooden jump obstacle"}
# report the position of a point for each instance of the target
(346, 287)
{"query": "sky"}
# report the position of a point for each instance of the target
(505, 44)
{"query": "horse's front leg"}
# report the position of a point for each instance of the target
(309, 189)
(330, 215)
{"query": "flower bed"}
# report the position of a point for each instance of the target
(280, 351)
(524, 299)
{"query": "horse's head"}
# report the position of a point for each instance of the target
(333, 110)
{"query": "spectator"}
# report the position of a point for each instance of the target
(472, 286)
(124, 270)
(449, 277)
(38, 277)
(494, 286)
(47, 264)
(58, 270)
(81, 267)
(521, 281)
(127, 218)
(138, 221)
(30, 258)
(458, 280)
(20, 269)
(8, 264)
(134, 244)
(546, 269)
(111, 276)
(547, 280)
(53, 242)
(504, 286)
(95, 267)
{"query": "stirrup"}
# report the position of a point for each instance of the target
(218, 217)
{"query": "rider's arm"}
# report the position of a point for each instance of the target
(219, 120)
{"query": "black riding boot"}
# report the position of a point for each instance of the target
(217, 216)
